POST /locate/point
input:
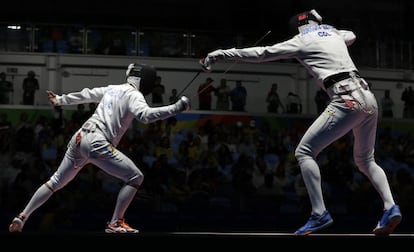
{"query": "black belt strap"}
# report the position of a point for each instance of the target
(331, 80)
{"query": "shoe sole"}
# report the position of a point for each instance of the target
(111, 231)
(388, 229)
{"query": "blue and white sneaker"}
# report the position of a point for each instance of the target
(315, 223)
(390, 219)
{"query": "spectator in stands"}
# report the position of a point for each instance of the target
(387, 104)
(294, 104)
(223, 96)
(158, 92)
(408, 98)
(238, 97)
(205, 91)
(6, 88)
(173, 97)
(273, 100)
(30, 86)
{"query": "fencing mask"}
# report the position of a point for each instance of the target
(142, 76)
(304, 18)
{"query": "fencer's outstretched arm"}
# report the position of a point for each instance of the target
(283, 50)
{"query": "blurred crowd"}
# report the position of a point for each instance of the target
(240, 167)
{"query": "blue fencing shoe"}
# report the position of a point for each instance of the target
(390, 219)
(315, 223)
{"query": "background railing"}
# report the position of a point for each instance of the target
(389, 52)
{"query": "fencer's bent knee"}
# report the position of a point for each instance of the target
(298, 153)
(54, 185)
(136, 180)
(49, 187)
(302, 152)
(363, 163)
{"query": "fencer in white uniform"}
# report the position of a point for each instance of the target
(96, 141)
(323, 51)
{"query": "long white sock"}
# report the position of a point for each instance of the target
(312, 179)
(125, 197)
(380, 182)
(42, 194)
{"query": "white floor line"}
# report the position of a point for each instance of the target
(283, 234)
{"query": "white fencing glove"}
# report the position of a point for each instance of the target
(183, 104)
(211, 59)
(205, 64)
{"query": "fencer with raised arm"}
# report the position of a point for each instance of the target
(96, 141)
(323, 51)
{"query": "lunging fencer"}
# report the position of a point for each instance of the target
(96, 141)
(323, 51)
